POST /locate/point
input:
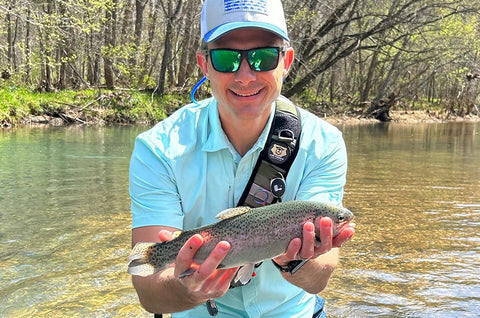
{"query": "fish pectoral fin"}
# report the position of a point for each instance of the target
(245, 273)
(229, 213)
(141, 269)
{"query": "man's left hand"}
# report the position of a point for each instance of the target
(310, 248)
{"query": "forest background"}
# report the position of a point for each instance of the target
(134, 60)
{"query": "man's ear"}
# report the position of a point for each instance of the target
(288, 60)
(202, 62)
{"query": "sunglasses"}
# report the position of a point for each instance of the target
(260, 59)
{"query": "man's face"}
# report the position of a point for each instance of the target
(246, 94)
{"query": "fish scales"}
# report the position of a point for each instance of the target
(258, 234)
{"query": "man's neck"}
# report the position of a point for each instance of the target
(243, 134)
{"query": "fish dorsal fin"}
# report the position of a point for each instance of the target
(229, 213)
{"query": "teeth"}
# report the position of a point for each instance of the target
(246, 95)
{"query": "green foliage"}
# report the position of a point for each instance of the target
(85, 106)
(19, 103)
(419, 50)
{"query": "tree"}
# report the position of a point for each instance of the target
(378, 26)
(348, 52)
(171, 14)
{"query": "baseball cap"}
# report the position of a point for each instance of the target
(222, 16)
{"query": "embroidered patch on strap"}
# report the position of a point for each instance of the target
(259, 6)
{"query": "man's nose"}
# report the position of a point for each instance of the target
(245, 74)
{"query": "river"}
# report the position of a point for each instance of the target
(414, 188)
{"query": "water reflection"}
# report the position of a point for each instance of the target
(65, 223)
(416, 252)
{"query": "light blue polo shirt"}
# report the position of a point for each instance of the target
(184, 171)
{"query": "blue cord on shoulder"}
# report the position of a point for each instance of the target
(192, 94)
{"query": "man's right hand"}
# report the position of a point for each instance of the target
(168, 290)
(205, 281)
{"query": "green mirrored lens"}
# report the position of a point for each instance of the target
(260, 59)
(265, 59)
(225, 60)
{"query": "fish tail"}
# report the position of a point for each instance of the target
(139, 263)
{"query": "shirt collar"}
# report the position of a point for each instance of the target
(217, 140)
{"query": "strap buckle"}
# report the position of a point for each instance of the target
(286, 136)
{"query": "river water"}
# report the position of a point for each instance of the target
(415, 191)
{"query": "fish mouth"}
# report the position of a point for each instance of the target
(340, 227)
(336, 230)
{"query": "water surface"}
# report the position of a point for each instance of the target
(416, 193)
(415, 189)
(65, 222)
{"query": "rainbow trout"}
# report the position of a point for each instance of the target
(255, 234)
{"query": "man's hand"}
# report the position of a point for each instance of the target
(310, 248)
(205, 281)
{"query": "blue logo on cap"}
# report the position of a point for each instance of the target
(259, 6)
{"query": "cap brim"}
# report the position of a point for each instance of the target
(227, 27)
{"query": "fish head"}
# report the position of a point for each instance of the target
(340, 217)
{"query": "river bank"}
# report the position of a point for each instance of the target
(403, 116)
(398, 116)
(25, 107)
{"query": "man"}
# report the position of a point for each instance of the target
(197, 163)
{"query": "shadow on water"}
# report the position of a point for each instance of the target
(65, 222)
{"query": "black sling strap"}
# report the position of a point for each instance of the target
(267, 182)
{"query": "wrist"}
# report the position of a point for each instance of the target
(189, 298)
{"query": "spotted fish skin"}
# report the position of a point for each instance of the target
(254, 235)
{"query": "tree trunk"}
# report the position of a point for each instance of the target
(189, 47)
(380, 109)
(28, 50)
(368, 80)
(125, 34)
(10, 36)
(139, 10)
(166, 57)
(62, 56)
(46, 83)
(154, 6)
(110, 39)
(170, 18)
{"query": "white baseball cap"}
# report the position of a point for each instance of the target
(222, 16)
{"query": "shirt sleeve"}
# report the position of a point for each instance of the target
(325, 170)
(153, 189)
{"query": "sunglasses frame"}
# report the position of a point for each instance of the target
(244, 56)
